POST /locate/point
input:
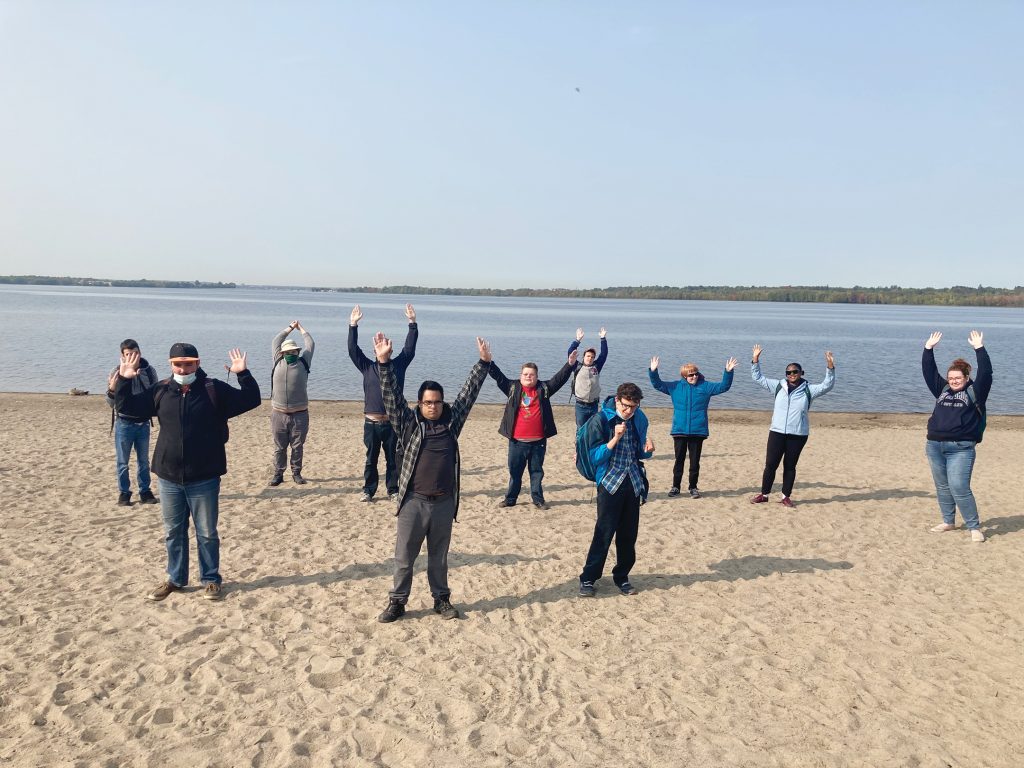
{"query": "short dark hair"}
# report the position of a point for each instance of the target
(590, 351)
(433, 386)
(629, 391)
(129, 344)
(798, 366)
(530, 365)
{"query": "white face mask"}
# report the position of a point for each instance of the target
(184, 378)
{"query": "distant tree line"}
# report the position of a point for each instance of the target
(958, 295)
(94, 281)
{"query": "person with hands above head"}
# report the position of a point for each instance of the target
(690, 398)
(527, 423)
(955, 428)
(616, 441)
(131, 431)
(378, 435)
(428, 484)
(193, 411)
(289, 400)
(790, 424)
(586, 377)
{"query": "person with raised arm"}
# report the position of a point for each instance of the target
(690, 398)
(130, 431)
(428, 484)
(586, 377)
(289, 400)
(790, 425)
(955, 428)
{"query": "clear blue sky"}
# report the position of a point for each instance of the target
(446, 144)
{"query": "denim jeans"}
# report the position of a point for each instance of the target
(520, 456)
(127, 436)
(377, 435)
(200, 501)
(583, 412)
(952, 462)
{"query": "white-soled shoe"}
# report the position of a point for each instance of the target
(977, 535)
(943, 527)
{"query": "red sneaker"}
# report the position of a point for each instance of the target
(759, 499)
(786, 502)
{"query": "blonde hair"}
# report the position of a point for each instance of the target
(687, 369)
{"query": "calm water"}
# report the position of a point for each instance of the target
(67, 337)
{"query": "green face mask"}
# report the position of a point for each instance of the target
(290, 358)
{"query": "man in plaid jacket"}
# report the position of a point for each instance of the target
(428, 482)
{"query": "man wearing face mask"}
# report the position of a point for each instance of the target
(193, 411)
(289, 403)
(132, 432)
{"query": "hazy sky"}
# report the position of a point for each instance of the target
(497, 144)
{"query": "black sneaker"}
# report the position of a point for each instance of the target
(445, 609)
(276, 480)
(626, 588)
(393, 612)
(541, 505)
(298, 479)
(124, 499)
(694, 493)
(505, 503)
(587, 589)
(147, 497)
(673, 491)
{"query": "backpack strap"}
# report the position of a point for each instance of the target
(273, 368)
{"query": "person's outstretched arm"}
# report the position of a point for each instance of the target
(817, 390)
(471, 389)
(755, 371)
(602, 357)
(556, 382)
(361, 361)
(983, 376)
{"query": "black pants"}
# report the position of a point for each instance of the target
(618, 515)
(378, 435)
(784, 448)
(684, 443)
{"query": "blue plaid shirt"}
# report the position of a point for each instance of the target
(623, 463)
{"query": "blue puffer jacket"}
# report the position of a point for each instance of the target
(790, 414)
(690, 401)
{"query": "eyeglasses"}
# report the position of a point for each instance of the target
(793, 373)
(432, 403)
(628, 406)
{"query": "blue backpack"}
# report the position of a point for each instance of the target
(592, 433)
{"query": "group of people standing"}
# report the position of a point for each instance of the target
(420, 447)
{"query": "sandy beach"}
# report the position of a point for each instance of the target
(840, 633)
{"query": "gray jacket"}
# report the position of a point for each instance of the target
(288, 380)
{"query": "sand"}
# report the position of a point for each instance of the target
(841, 633)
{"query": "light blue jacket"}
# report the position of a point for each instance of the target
(790, 414)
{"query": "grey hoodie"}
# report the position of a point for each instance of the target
(288, 381)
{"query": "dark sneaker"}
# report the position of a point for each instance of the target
(393, 612)
(673, 491)
(276, 480)
(505, 503)
(787, 502)
(627, 589)
(124, 499)
(298, 479)
(587, 589)
(213, 592)
(541, 505)
(694, 493)
(147, 497)
(759, 499)
(162, 591)
(445, 609)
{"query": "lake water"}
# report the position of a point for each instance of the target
(63, 337)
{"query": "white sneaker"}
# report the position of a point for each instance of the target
(943, 527)
(977, 535)
(365, 497)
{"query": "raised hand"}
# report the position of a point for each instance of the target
(293, 324)
(654, 362)
(129, 367)
(484, 348)
(381, 347)
(410, 313)
(237, 358)
(933, 340)
(579, 334)
(573, 356)
(975, 339)
(756, 354)
(355, 316)
(829, 360)
(298, 327)
(730, 363)
(602, 333)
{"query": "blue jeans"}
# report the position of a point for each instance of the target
(952, 462)
(200, 501)
(378, 435)
(583, 412)
(520, 456)
(127, 436)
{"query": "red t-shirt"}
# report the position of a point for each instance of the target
(529, 418)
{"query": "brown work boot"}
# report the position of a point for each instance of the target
(161, 592)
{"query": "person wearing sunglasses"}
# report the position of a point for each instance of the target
(790, 425)
(954, 429)
(690, 398)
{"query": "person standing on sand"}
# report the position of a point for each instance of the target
(193, 411)
(377, 431)
(428, 485)
(527, 423)
(954, 430)
(131, 431)
(790, 425)
(690, 398)
(289, 400)
(616, 441)
(586, 377)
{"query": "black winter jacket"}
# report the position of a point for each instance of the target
(514, 391)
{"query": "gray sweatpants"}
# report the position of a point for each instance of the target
(420, 519)
(288, 429)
